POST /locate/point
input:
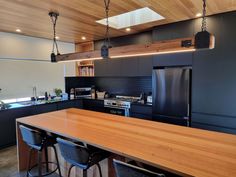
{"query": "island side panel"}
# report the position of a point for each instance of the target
(23, 151)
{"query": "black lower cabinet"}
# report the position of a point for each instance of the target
(44, 108)
(141, 111)
(8, 124)
(78, 103)
(8, 118)
(6, 129)
(66, 105)
(220, 123)
(94, 105)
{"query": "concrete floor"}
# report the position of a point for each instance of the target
(8, 163)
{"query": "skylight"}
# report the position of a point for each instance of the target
(132, 18)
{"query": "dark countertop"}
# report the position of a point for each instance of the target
(31, 103)
(142, 104)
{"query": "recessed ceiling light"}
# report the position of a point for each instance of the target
(198, 15)
(127, 29)
(57, 37)
(18, 30)
(83, 38)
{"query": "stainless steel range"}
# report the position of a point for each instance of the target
(120, 105)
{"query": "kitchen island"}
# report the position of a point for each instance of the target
(181, 150)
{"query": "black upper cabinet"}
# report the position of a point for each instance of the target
(132, 66)
(114, 67)
(145, 65)
(100, 67)
(173, 59)
(129, 66)
(173, 31)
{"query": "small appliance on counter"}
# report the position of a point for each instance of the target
(93, 92)
(149, 99)
(64, 96)
(101, 95)
(83, 92)
(72, 94)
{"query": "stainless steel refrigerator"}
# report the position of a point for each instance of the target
(171, 88)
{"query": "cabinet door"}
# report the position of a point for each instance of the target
(129, 66)
(175, 59)
(100, 67)
(141, 116)
(113, 67)
(145, 66)
(94, 105)
(65, 104)
(44, 108)
(6, 129)
(79, 103)
(141, 111)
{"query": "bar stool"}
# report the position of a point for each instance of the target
(39, 141)
(81, 155)
(123, 169)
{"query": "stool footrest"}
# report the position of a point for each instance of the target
(45, 174)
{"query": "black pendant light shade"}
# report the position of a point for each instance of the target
(105, 51)
(106, 45)
(202, 38)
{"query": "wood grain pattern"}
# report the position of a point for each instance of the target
(182, 150)
(160, 47)
(77, 17)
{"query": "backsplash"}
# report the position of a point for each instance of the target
(131, 86)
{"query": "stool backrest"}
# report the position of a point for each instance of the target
(30, 136)
(73, 153)
(126, 170)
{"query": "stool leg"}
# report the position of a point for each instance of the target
(70, 170)
(99, 169)
(40, 163)
(29, 161)
(84, 173)
(46, 158)
(58, 165)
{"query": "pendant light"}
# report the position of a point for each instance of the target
(54, 16)
(202, 38)
(106, 44)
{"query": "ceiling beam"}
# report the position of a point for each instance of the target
(160, 47)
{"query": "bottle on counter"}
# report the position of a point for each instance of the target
(93, 91)
(72, 94)
(49, 97)
(46, 96)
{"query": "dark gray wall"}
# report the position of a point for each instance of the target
(214, 71)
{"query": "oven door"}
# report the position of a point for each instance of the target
(117, 111)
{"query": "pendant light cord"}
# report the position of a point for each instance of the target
(53, 17)
(107, 38)
(204, 27)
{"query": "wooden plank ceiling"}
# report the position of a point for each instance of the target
(77, 17)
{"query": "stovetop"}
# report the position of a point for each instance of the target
(120, 102)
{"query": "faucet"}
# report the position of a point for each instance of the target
(35, 93)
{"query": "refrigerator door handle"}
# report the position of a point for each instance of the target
(188, 113)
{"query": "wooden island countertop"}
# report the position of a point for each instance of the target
(182, 150)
